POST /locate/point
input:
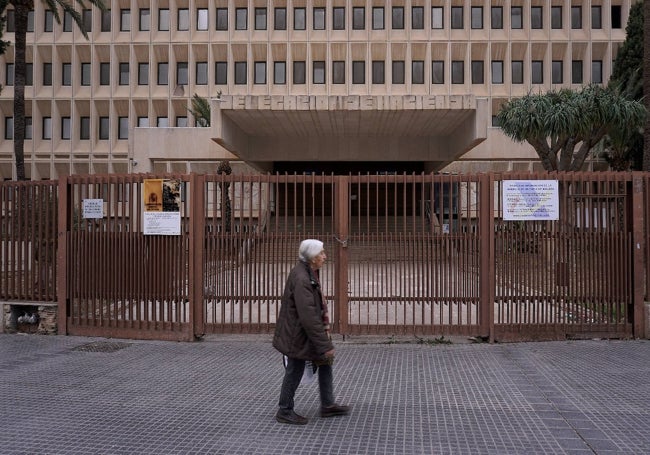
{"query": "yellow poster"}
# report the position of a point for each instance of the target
(153, 195)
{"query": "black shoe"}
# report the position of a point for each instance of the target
(291, 418)
(334, 410)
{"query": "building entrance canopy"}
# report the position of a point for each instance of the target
(433, 130)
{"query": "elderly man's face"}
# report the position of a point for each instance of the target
(318, 260)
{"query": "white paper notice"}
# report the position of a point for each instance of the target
(93, 208)
(162, 223)
(530, 200)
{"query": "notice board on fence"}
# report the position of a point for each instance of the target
(162, 207)
(530, 200)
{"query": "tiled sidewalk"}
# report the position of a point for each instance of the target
(74, 395)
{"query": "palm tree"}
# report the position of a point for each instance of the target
(646, 82)
(21, 10)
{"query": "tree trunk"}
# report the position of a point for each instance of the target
(646, 83)
(20, 70)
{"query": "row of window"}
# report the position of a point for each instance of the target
(299, 73)
(103, 132)
(338, 19)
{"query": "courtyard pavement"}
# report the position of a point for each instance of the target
(78, 395)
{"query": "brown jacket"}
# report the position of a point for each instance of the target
(299, 331)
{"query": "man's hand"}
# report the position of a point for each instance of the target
(329, 354)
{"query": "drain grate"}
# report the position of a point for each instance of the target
(102, 346)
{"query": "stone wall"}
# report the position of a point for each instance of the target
(47, 323)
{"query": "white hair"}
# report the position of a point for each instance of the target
(309, 249)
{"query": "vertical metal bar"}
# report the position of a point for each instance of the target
(62, 257)
(196, 255)
(342, 232)
(487, 278)
(638, 247)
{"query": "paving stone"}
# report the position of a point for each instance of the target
(81, 395)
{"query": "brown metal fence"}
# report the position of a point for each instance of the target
(422, 254)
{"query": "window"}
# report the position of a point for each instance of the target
(280, 19)
(438, 72)
(517, 69)
(84, 128)
(47, 74)
(477, 72)
(338, 72)
(11, 21)
(457, 17)
(417, 72)
(319, 72)
(358, 18)
(437, 20)
(29, 74)
(162, 122)
(106, 20)
(143, 122)
(104, 73)
(202, 19)
(240, 73)
(221, 73)
(201, 73)
(596, 17)
(299, 72)
(597, 71)
(576, 17)
(85, 74)
(516, 17)
(122, 128)
(30, 21)
(477, 17)
(222, 19)
(299, 19)
(358, 72)
(124, 74)
(181, 122)
(417, 18)
(163, 73)
(125, 20)
(617, 21)
(104, 128)
(66, 74)
(556, 17)
(537, 72)
(556, 72)
(378, 76)
(48, 21)
(378, 18)
(163, 20)
(398, 18)
(279, 73)
(9, 74)
(241, 19)
(497, 17)
(67, 22)
(398, 72)
(143, 74)
(338, 14)
(86, 20)
(576, 72)
(457, 72)
(319, 18)
(182, 73)
(65, 128)
(144, 21)
(47, 128)
(183, 19)
(260, 73)
(28, 128)
(497, 71)
(536, 19)
(9, 127)
(260, 18)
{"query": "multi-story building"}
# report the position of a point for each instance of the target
(296, 85)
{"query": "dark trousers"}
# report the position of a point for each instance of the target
(292, 376)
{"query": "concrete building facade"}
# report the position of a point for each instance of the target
(296, 85)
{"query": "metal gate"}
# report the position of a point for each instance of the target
(422, 254)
